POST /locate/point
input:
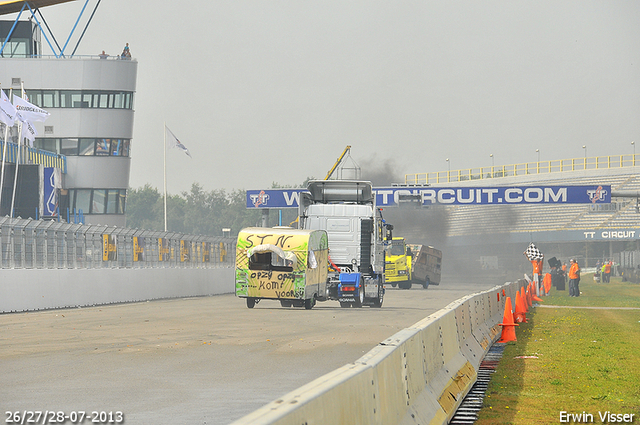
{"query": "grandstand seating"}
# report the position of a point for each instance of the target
(478, 220)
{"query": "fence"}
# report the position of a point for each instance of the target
(540, 167)
(42, 244)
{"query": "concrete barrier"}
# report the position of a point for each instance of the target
(38, 289)
(420, 375)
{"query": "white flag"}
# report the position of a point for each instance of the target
(7, 110)
(173, 142)
(27, 111)
(29, 132)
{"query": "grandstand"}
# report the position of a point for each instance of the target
(584, 231)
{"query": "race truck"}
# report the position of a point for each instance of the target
(357, 234)
(407, 264)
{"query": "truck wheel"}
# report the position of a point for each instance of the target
(377, 303)
(404, 285)
(251, 302)
(309, 303)
(285, 303)
(394, 285)
(425, 285)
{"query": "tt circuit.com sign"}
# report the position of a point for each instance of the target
(395, 196)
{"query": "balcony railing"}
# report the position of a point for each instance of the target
(529, 168)
(29, 155)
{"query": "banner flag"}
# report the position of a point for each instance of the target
(29, 132)
(29, 112)
(7, 110)
(173, 142)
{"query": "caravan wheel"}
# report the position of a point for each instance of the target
(251, 302)
(309, 303)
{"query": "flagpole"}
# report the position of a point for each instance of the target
(4, 150)
(15, 178)
(164, 150)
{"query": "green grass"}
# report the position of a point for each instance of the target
(587, 359)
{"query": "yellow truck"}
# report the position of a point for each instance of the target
(281, 263)
(406, 264)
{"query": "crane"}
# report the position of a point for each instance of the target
(333, 169)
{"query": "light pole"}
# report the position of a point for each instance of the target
(538, 152)
(585, 151)
(634, 153)
(492, 161)
(449, 172)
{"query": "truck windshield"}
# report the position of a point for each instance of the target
(397, 248)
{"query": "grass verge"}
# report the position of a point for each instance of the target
(576, 359)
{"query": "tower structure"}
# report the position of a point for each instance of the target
(91, 102)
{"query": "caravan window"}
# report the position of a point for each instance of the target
(269, 261)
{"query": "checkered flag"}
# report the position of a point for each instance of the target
(533, 253)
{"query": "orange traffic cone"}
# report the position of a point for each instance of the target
(534, 295)
(520, 314)
(524, 297)
(528, 294)
(508, 326)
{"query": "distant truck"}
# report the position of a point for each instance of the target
(407, 264)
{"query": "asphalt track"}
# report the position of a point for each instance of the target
(207, 360)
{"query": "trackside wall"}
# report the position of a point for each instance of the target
(37, 289)
(418, 376)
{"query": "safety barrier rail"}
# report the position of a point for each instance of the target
(29, 155)
(43, 244)
(540, 167)
(420, 375)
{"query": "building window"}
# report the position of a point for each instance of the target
(103, 99)
(85, 147)
(98, 201)
(82, 200)
(69, 147)
(98, 204)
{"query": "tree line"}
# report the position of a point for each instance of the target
(197, 211)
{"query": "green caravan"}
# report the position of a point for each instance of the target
(282, 263)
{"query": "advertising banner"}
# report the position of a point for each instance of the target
(425, 196)
(206, 252)
(50, 198)
(109, 248)
(163, 249)
(138, 249)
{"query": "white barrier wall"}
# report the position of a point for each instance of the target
(418, 376)
(37, 289)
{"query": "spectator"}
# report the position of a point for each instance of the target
(574, 279)
(126, 52)
(607, 272)
(103, 55)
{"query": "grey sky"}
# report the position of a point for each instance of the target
(273, 91)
